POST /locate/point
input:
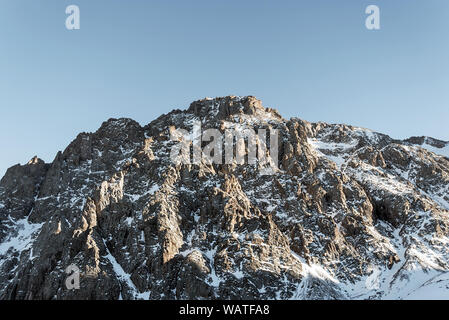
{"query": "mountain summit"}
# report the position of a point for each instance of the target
(347, 214)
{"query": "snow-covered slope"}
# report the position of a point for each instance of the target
(394, 173)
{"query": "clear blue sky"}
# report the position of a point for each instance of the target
(312, 59)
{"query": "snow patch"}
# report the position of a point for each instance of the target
(24, 237)
(124, 276)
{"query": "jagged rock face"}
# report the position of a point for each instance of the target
(349, 213)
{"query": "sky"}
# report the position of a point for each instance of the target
(312, 59)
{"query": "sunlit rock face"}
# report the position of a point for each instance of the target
(347, 214)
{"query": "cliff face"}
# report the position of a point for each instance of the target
(348, 214)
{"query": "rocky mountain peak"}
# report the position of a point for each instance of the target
(427, 140)
(348, 214)
(114, 125)
(35, 160)
(224, 107)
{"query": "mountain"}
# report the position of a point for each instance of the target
(347, 213)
